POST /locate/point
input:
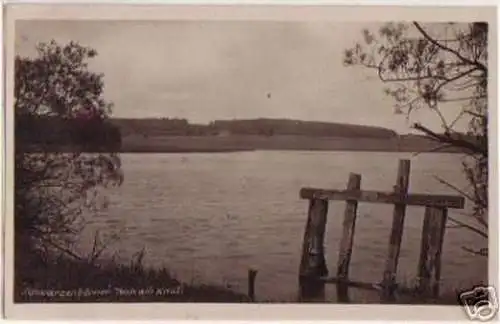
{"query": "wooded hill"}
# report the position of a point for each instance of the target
(178, 135)
(262, 126)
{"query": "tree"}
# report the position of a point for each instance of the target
(436, 67)
(54, 189)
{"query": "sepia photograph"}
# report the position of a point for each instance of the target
(251, 161)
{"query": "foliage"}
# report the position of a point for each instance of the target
(261, 126)
(67, 280)
(54, 190)
(437, 67)
(37, 133)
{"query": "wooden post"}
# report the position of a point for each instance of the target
(251, 283)
(401, 188)
(313, 265)
(423, 268)
(346, 242)
(429, 265)
(313, 268)
(440, 231)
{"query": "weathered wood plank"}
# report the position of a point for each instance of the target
(401, 290)
(346, 242)
(446, 201)
(391, 266)
(440, 231)
(429, 266)
(313, 264)
(423, 267)
(350, 283)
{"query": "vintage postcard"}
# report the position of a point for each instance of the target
(250, 162)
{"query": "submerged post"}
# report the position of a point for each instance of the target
(346, 242)
(313, 270)
(429, 265)
(401, 188)
(313, 265)
(251, 283)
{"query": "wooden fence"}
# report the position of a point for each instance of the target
(313, 272)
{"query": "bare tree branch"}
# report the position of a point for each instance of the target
(469, 227)
(448, 49)
(449, 185)
(481, 252)
(448, 139)
(458, 76)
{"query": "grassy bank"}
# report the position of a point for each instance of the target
(69, 280)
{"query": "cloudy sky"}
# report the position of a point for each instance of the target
(222, 70)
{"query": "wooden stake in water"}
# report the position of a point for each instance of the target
(251, 283)
(345, 250)
(401, 188)
(313, 265)
(429, 266)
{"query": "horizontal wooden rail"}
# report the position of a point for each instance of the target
(444, 201)
(350, 283)
(366, 285)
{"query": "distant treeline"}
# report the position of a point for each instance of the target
(262, 126)
(47, 133)
(178, 135)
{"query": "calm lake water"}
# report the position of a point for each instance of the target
(210, 217)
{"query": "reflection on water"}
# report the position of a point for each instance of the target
(210, 217)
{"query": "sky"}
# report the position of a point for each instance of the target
(207, 70)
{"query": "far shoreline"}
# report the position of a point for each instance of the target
(244, 143)
(247, 143)
(222, 151)
(139, 151)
